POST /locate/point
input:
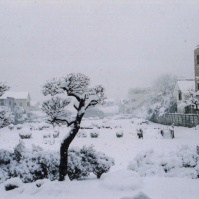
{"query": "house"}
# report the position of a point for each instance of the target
(12, 99)
(181, 93)
(183, 88)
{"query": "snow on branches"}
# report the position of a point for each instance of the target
(55, 109)
(192, 100)
(76, 85)
(6, 116)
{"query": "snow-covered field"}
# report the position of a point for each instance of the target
(145, 180)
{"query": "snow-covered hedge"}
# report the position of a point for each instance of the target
(94, 133)
(25, 135)
(56, 134)
(119, 134)
(182, 163)
(19, 126)
(82, 134)
(31, 165)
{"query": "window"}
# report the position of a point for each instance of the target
(198, 86)
(180, 95)
(197, 59)
(28, 103)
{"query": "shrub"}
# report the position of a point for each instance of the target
(82, 134)
(77, 166)
(119, 134)
(12, 184)
(167, 133)
(98, 162)
(50, 141)
(25, 135)
(19, 127)
(94, 134)
(35, 164)
(182, 163)
(55, 134)
(46, 135)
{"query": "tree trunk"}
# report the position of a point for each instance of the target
(63, 170)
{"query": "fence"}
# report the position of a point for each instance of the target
(187, 120)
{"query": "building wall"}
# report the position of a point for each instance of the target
(25, 103)
(196, 63)
(11, 103)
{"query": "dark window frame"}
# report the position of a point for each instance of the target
(179, 95)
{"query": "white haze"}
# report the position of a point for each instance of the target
(119, 44)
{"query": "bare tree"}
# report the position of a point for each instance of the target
(74, 85)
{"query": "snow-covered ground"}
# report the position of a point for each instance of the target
(119, 182)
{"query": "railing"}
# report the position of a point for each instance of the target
(187, 120)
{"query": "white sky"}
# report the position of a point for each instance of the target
(119, 44)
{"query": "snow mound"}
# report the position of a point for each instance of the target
(121, 181)
(139, 196)
(182, 163)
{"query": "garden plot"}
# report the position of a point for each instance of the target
(125, 178)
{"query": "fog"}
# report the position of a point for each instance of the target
(119, 44)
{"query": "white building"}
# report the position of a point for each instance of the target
(181, 92)
(12, 99)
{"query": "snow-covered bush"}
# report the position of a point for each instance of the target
(19, 126)
(82, 134)
(46, 135)
(55, 134)
(77, 166)
(12, 184)
(25, 135)
(87, 160)
(119, 134)
(31, 165)
(181, 163)
(11, 126)
(167, 133)
(102, 164)
(94, 134)
(6, 117)
(49, 141)
(98, 162)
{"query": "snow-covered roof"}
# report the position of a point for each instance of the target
(186, 85)
(15, 95)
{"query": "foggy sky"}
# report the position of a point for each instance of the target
(119, 44)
